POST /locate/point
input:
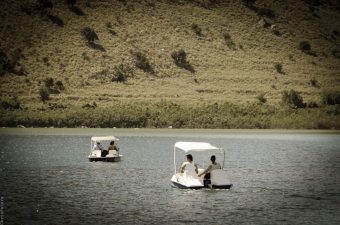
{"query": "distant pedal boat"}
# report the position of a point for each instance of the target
(96, 155)
(218, 177)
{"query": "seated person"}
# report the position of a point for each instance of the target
(112, 146)
(97, 146)
(189, 167)
(213, 166)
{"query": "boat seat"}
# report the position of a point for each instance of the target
(112, 153)
(219, 177)
(96, 153)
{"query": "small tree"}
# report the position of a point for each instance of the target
(292, 98)
(44, 94)
(122, 73)
(180, 59)
(278, 67)
(196, 29)
(143, 63)
(261, 97)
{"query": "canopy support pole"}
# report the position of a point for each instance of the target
(223, 158)
(175, 159)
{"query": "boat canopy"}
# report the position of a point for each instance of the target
(104, 138)
(195, 146)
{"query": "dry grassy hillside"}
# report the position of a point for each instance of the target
(236, 50)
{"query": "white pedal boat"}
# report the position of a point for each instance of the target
(96, 155)
(218, 177)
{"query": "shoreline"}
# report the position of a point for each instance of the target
(156, 131)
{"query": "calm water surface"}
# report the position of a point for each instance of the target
(278, 177)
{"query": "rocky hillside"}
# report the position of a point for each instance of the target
(194, 51)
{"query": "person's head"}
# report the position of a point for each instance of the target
(189, 158)
(213, 158)
(112, 143)
(98, 143)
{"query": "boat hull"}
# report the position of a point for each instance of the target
(104, 159)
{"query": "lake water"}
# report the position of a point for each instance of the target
(279, 177)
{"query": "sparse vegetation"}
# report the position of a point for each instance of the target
(143, 63)
(229, 42)
(162, 114)
(261, 98)
(292, 98)
(122, 73)
(279, 68)
(313, 82)
(12, 104)
(306, 48)
(196, 29)
(180, 59)
(330, 97)
(44, 94)
(76, 10)
(92, 39)
(56, 20)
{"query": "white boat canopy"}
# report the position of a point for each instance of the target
(104, 138)
(195, 146)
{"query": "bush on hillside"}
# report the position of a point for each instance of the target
(44, 94)
(306, 48)
(313, 82)
(278, 67)
(56, 20)
(143, 63)
(70, 2)
(330, 97)
(54, 87)
(76, 10)
(248, 2)
(293, 99)
(196, 29)
(266, 12)
(261, 98)
(180, 59)
(12, 104)
(122, 73)
(229, 42)
(92, 39)
(90, 34)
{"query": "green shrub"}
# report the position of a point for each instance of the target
(92, 39)
(330, 97)
(196, 29)
(56, 20)
(180, 59)
(76, 10)
(59, 85)
(306, 48)
(229, 42)
(44, 94)
(12, 104)
(278, 67)
(313, 82)
(143, 63)
(266, 12)
(122, 73)
(70, 2)
(261, 97)
(90, 34)
(293, 99)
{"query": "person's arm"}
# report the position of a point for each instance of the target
(196, 168)
(182, 168)
(205, 171)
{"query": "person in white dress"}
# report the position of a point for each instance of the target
(189, 171)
